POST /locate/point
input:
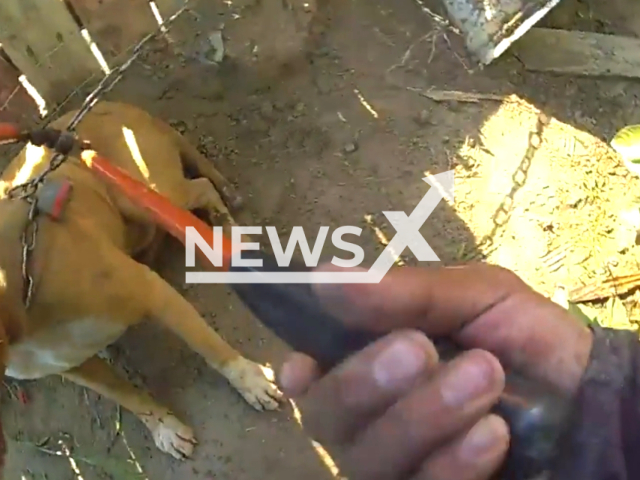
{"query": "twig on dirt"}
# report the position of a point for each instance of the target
(132, 457)
(433, 48)
(407, 54)
(40, 447)
(441, 25)
(93, 409)
(457, 96)
(16, 392)
(118, 431)
(455, 54)
(433, 36)
(10, 388)
(382, 238)
(553, 260)
(116, 467)
(444, 24)
(614, 286)
(441, 21)
(29, 475)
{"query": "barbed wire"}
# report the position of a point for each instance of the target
(133, 52)
(5, 105)
(18, 87)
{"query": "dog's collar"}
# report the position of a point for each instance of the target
(51, 199)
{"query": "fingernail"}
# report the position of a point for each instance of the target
(400, 363)
(467, 380)
(483, 438)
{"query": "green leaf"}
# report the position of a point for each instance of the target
(580, 312)
(612, 315)
(627, 143)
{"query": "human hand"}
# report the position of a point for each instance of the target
(394, 409)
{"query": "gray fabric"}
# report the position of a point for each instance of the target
(603, 442)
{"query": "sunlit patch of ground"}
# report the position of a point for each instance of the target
(552, 215)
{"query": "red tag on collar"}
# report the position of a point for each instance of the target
(53, 196)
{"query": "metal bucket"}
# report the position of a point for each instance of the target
(489, 27)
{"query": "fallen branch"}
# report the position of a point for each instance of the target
(614, 286)
(579, 53)
(457, 96)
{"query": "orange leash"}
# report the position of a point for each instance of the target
(173, 219)
(9, 131)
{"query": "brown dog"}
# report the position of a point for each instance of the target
(88, 287)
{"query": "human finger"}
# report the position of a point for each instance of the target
(431, 415)
(345, 399)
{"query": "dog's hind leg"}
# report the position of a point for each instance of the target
(202, 194)
(169, 433)
(192, 158)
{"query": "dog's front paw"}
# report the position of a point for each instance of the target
(173, 437)
(251, 381)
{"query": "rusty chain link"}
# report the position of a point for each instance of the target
(519, 178)
(26, 191)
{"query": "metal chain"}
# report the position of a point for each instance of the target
(519, 178)
(26, 191)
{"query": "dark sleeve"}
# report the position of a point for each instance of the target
(603, 442)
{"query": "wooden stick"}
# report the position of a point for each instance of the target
(579, 53)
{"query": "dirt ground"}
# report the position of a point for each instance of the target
(334, 137)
